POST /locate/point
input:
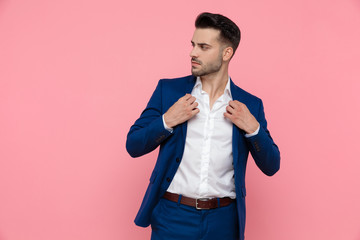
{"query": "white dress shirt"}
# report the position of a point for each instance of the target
(206, 169)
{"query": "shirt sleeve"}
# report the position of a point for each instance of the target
(246, 135)
(171, 129)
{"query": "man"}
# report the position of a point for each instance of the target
(205, 126)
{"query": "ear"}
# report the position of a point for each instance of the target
(227, 53)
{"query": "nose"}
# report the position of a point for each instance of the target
(193, 53)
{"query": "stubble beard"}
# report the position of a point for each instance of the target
(207, 69)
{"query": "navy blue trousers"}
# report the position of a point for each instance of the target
(174, 221)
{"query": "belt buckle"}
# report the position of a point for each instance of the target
(201, 199)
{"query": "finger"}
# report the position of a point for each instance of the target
(195, 111)
(227, 115)
(194, 104)
(187, 96)
(237, 104)
(191, 100)
(231, 104)
(234, 104)
(229, 109)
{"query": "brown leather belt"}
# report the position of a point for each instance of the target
(200, 203)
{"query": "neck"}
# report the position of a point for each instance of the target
(214, 84)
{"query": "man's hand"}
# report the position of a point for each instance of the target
(181, 111)
(240, 115)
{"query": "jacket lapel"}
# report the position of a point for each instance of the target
(237, 138)
(190, 82)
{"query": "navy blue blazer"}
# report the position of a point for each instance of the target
(148, 133)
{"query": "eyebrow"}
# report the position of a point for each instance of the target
(201, 44)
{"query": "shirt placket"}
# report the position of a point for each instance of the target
(206, 144)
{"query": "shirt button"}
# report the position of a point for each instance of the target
(168, 179)
(177, 160)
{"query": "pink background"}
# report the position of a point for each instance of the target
(75, 75)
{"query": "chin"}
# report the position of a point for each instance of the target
(194, 73)
(197, 73)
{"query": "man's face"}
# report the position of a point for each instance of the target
(206, 55)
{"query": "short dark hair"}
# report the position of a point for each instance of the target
(229, 31)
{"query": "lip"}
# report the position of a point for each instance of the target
(195, 63)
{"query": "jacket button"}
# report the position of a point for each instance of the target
(177, 160)
(168, 179)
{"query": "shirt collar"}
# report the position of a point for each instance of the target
(227, 90)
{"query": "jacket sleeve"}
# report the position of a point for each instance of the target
(148, 131)
(262, 147)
